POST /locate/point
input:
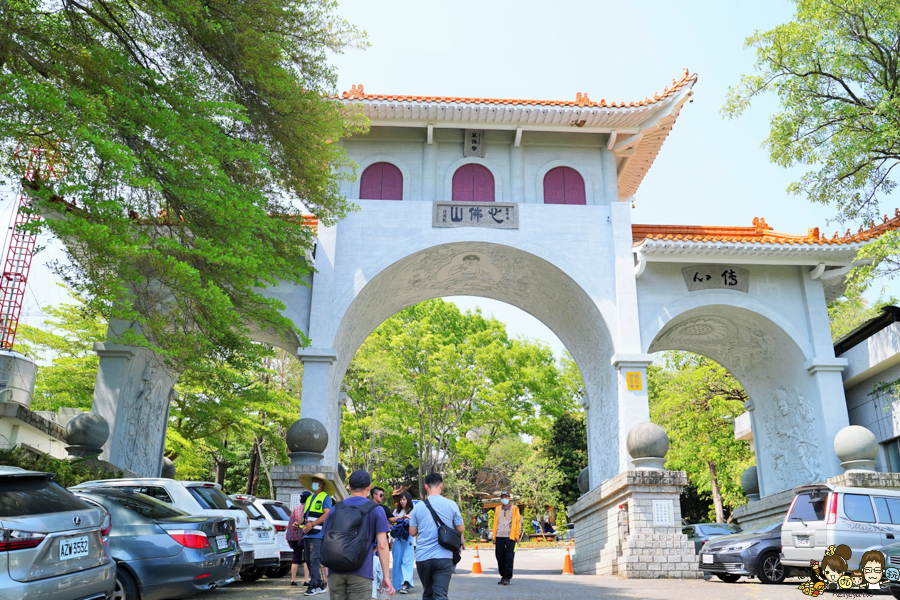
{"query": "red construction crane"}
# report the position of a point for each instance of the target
(39, 165)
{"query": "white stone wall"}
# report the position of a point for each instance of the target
(875, 409)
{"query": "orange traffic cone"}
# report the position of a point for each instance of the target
(567, 566)
(476, 566)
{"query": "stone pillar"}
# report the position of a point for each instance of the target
(634, 403)
(630, 526)
(306, 440)
(316, 401)
(132, 393)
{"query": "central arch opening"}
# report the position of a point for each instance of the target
(512, 276)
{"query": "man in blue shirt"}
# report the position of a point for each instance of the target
(357, 585)
(434, 563)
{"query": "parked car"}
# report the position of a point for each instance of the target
(751, 553)
(194, 498)
(278, 514)
(52, 544)
(261, 536)
(892, 559)
(821, 515)
(569, 534)
(701, 533)
(162, 552)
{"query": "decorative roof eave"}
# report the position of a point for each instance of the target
(637, 129)
(747, 252)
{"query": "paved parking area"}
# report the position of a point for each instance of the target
(538, 575)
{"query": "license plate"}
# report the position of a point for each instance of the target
(803, 540)
(73, 547)
(263, 535)
(707, 559)
(221, 542)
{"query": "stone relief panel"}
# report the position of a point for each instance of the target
(509, 275)
(741, 338)
(790, 442)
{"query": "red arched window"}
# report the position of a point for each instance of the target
(381, 181)
(473, 183)
(563, 185)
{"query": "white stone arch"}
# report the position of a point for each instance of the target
(504, 273)
(793, 431)
(542, 172)
(448, 176)
(368, 162)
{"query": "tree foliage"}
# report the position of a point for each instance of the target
(193, 133)
(696, 400)
(567, 447)
(536, 483)
(434, 389)
(67, 339)
(835, 71)
(847, 313)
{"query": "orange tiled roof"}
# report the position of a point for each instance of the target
(760, 233)
(581, 99)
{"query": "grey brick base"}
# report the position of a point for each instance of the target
(286, 480)
(602, 547)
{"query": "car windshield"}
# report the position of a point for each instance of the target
(768, 526)
(212, 499)
(146, 506)
(278, 512)
(251, 511)
(21, 496)
(718, 529)
(809, 507)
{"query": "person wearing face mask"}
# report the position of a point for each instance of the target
(316, 510)
(507, 525)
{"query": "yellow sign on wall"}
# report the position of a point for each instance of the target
(633, 381)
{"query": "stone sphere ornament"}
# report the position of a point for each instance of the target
(86, 433)
(647, 443)
(306, 440)
(307, 435)
(584, 481)
(750, 483)
(857, 448)
(168, 468)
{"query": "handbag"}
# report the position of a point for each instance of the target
(449, 539)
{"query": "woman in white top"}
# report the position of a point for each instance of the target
(404, 552)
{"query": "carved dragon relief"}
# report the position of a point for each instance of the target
(145, 418)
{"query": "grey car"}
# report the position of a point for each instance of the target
(701, 533)
(163, 552)
(751, 553)
(52, 544)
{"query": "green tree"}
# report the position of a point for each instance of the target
(567, 447)
(834, 69)
(696, 400)
(536, 483)
(193, 133)
(67, 340)
(851, 311)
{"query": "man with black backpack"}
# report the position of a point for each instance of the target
(351, 529)
(438, 525)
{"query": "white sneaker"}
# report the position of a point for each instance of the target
(322, 590)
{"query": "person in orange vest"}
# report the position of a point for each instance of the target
(506, 530)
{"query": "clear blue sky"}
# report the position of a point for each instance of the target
(710, 171)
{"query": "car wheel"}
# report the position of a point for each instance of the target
(252, 574)
(277, 572)
(895, 592)
(126, 586)
(728, 578)
(769, 568)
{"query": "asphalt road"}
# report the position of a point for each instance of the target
(538, 574)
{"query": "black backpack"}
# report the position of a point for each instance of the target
(347, 542)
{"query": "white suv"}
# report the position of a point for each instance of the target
(195, 498)
(278, 514)
(262, 536)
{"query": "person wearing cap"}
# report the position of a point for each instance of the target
(357, 585)
(316, 510)
(507, 525)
